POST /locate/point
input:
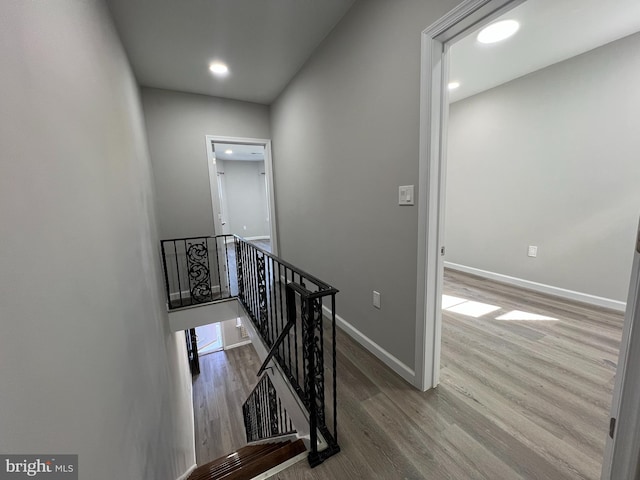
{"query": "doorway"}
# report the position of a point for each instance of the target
(241, 184)
(434, 120)
(209, 339)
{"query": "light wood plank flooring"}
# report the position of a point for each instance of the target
(517, 400)
(225, 381)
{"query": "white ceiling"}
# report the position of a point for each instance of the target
(550, 31)
(240, 152)
(170, 43)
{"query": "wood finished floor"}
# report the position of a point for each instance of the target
(517, 399)
(225, 381)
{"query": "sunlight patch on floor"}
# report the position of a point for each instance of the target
(473, 309)
(448, 301)
(525, 316)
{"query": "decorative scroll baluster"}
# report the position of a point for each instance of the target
(273, 409)
(262, 297)
(240, 273)
(198, 270)
(314, 370)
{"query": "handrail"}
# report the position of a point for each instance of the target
(276, 345)
(285, 305)
(320, 283)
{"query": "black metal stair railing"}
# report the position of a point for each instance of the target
(264, 415)
(198, 270)
(292, 311)
(286, 306)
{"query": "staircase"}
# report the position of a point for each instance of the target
(292, 319)
(249, 461)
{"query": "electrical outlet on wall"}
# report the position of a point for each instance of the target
(376, 299)
(532, 251)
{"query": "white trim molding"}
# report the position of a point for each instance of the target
(268, 170)
(236, 345)
(434, 110)
(189, 471)
(385, 357)
(187, 293)
(541, 287)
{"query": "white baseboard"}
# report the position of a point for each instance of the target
(259, 237)
(187, 293)
(235, 345)
(189, 471)
(389, 360)
(283, 466)
(541, 287)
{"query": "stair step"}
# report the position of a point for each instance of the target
(242, 453)
(240, 461)
(248, 461)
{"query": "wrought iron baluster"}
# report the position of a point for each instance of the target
(197, 255)
(334, 366)
(309, 373)
(215, 241)
(226, 265)
(269, 276)
(262, 297)
(273, 409)
(175, 250)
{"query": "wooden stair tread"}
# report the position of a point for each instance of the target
(237, 462)
(243, 452)
(248, 461)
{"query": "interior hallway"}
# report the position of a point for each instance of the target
(517, 400)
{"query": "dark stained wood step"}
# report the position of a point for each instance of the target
(237, 462)
(243, 452)
(248, 461)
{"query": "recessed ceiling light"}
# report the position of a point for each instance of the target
(228, 151)
(453, 85)
(498, 31)
(219, 68)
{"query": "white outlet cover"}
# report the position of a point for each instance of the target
(532, 251)
(376, 299)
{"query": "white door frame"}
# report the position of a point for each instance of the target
(268, 166)
(434, 74)
(623, 447)
(621, 459)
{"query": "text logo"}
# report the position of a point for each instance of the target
(45, 467)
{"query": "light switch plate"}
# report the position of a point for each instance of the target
(532, 251)
(405, 195)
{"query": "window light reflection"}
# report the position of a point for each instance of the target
(517, 315)
(473, 309)
(448, 301)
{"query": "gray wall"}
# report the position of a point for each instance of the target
(345, 136)
(551, 159)
(246, 197)
(232, 334)
(87, 365)
(176, 127)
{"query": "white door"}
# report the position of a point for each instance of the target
(623, 443)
